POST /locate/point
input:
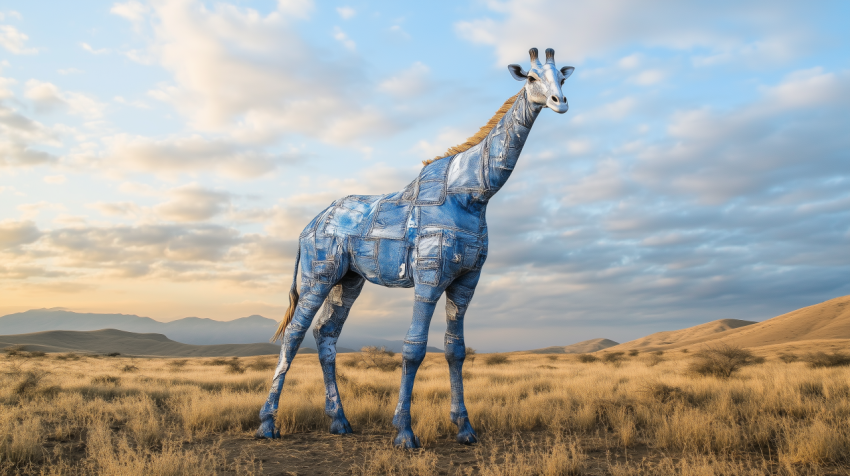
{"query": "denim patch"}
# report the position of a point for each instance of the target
(391, 220)
(323, 271)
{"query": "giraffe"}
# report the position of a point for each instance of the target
(431, 236)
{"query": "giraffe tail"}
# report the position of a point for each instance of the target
(293, 301)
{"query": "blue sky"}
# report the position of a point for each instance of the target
(160, 158)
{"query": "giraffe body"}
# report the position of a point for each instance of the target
(431, 236)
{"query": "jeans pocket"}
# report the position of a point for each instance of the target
(428, 271)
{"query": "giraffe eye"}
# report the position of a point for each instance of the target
(531, 79)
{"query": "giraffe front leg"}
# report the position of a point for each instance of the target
(458, 295)
(413, 353)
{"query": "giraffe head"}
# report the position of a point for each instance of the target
(544, 81)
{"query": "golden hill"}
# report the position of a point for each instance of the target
(822, 326)
(582, 347)
(107, 341)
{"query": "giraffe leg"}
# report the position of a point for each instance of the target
(458, 295)
(413, 353)
(333, 316)
(308, 305)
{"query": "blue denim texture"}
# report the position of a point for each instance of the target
(431, 236)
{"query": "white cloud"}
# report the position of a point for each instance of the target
(341, 37)
(117, 209)
(31, 210)
(648, 77)
(94, 51)
(346, 13)
(136, 104)
(54, 179)
(47, 96)
(193, 203)
(578, 30)
(413, 81)
(14, 41)
(133, 10)
(190, 154)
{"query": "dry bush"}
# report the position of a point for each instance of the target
(379, 358)
(14, 350)
(552, 357)
(721, 361)
(613, 357)
(21, 352)
(113, 354)
(106, 380)
(587, 358)
(556, 458)
(654, 359)
(822, 359)
(68, 356)
(261, 364)
(178, 364)
(218, 361)
(788, 358)
(684, 351)
(20, 442)
(470, 356)
(129, 368)
(391, 462)
(634, 353)
(495, 359)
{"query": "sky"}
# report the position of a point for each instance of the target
(160, 158)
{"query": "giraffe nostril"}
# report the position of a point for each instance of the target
(555, 98)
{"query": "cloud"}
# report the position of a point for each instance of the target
(580, 30)
(94, 51)
(54, 179)
(31, 210)
(117, 209)
(193, 203)
(341, 37)
(231, 75)
(16, 233)
(14, 40)
(47, 97)
(189, 154)
(410, 82)
(346, 13)
(133, 10)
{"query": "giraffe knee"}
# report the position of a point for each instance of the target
(413, 352)
(455, 349)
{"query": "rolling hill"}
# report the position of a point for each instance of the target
(582, 347)
(107, 341)
(823, 325)
(189, 330)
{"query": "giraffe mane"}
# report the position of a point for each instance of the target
(481, 134)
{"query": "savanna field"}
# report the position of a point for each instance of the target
(690, 413)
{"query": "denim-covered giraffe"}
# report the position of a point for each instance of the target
(431, 236)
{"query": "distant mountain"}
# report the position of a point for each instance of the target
(189, 330)
(582, 347)
(106, 341)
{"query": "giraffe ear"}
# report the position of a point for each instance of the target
(567, 71)
(517, 72)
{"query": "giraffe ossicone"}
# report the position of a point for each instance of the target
(431, 236)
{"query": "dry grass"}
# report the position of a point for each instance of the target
(535, 415)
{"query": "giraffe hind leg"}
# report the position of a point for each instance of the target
(333, 316)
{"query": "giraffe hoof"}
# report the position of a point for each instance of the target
(407, 440)
(465, 434)
(340, 426)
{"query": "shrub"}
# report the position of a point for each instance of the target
(106, 380)
(130, 368)
(178, 364)
(496, 359)
(379, 358)
(788, 358)
(113, 354)
(261, 364)
(552, 357)
(822, 359)
(235, 367)
(684, 351)
(470, 355)
(613, 357)
(218, 361)
(587, 358)
(721, 361)
(654, 359)
(633, 352)
(68, 356)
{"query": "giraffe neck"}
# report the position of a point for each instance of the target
(505, 142)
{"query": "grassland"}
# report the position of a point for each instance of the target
(642, 414)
